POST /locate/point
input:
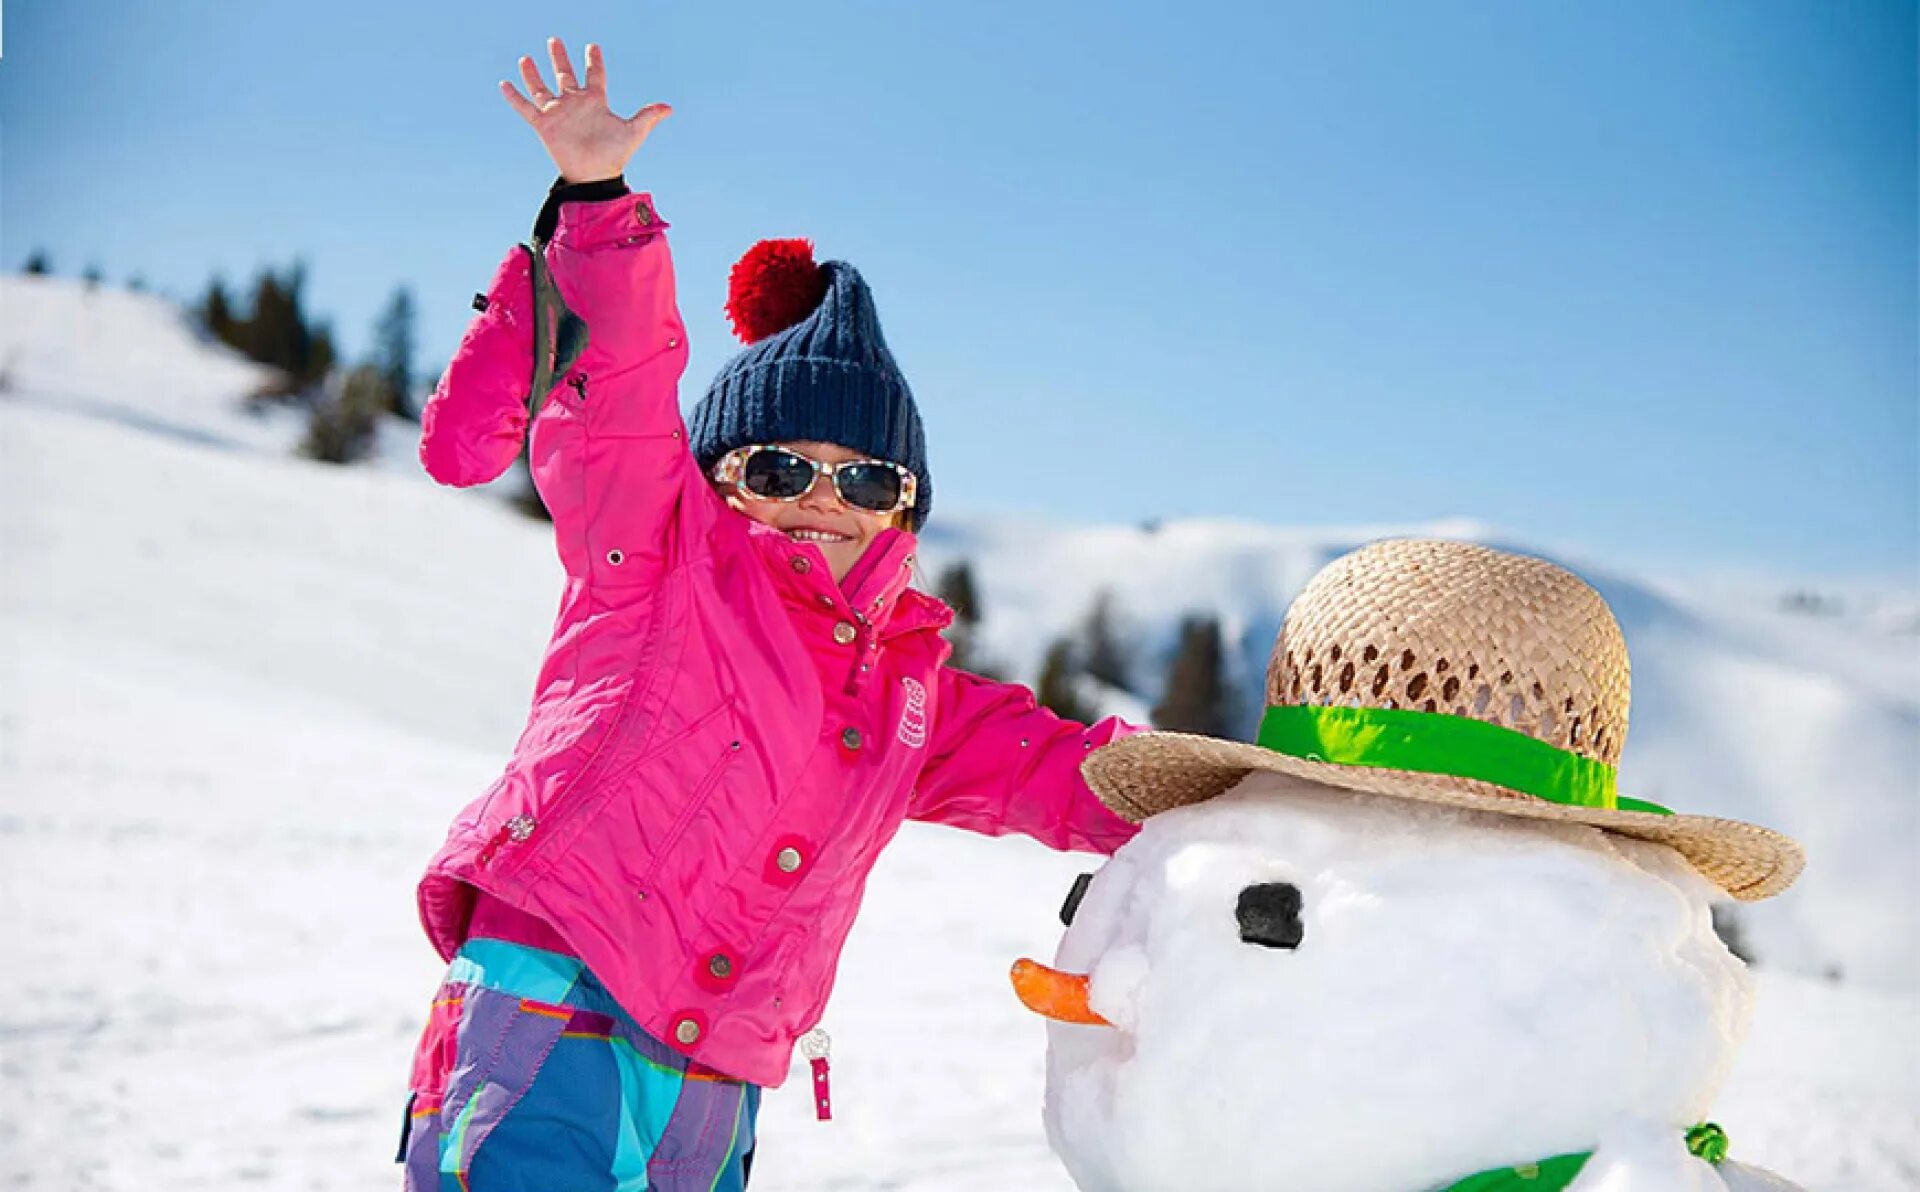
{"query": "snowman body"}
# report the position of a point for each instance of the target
(1454, 992)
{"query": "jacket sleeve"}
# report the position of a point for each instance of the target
(476, 420)
(1000, 763)
(608, 450)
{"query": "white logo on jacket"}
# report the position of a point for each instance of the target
(913, 720)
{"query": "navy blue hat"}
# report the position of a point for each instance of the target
(816, 368)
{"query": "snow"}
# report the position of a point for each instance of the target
(1638, 1155)
(241, 696)
(1468, 991)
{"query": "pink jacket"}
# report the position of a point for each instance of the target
(722, 739)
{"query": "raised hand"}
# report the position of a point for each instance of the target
(580, 132)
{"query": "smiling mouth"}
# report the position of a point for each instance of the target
(818, 536)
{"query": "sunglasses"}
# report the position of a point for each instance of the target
(778, 474)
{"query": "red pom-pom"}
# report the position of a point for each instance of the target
(774, 285)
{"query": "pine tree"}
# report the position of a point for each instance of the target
(38, 265)
(264, 334)
(1197, 698)
(341, 428)
(321, 356)
(276, 331)
(1058, 687)
(1100, 645)
(216, 313)
(955, 589)
(393, 350)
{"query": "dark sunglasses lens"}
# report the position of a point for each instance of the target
(873, 487)
(776, 475)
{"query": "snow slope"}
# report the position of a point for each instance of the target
(242, 694)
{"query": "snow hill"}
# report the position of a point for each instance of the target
(242, 694)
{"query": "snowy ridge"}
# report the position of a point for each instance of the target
(245, 693)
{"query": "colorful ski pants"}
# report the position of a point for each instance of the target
(530, 1078)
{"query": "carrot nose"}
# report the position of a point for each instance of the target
(1060, 996)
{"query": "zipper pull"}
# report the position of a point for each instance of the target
(815, 1045)
(580, 385)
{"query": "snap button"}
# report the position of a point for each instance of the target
(520, 827)
(801, 564)
(788, 859)
(673, 343)
(844, 633)
(687, 1031)
(720, 966)
(850, 737)
(643, 214)
(616, 558)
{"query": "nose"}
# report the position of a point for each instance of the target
(1054, 994)
(821, 494)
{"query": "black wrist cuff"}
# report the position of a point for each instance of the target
(563, 191)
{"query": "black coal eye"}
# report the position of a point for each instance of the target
(1074, 896)
(1269, 915)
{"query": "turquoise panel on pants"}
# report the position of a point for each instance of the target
(547, 1083)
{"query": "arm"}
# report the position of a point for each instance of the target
(1000, 763)
(474, 423)
(608, 450)
(476, 420)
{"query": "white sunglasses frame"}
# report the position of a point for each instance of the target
(731, 469)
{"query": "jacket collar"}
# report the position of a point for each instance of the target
(877, 590)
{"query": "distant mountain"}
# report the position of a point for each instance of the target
(1762, 709)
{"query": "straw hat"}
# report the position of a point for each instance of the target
(1449, 673)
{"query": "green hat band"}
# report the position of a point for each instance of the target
(1444, 744)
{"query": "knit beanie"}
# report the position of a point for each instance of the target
(816, 368)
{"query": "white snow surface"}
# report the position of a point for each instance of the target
(242, 695)
(1468, 991)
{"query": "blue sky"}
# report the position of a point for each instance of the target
(1639, 277)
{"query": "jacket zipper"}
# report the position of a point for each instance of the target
(685, 819)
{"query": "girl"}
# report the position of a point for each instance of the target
(742, 700)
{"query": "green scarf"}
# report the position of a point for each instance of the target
(1707, 1141)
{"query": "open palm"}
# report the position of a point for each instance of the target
(581, 133)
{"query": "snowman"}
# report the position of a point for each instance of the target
(1413, 940)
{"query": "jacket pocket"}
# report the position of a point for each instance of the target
(723, 756)
(500, 1045)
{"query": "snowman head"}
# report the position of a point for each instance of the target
(1296, 986)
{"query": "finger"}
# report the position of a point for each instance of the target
(641, 122)
(520, 103)
(536, 86)
(563, 77)
(596, 68)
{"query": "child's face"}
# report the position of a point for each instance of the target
(841, 531)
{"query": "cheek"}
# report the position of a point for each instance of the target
(763, 512)
(870, 526)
